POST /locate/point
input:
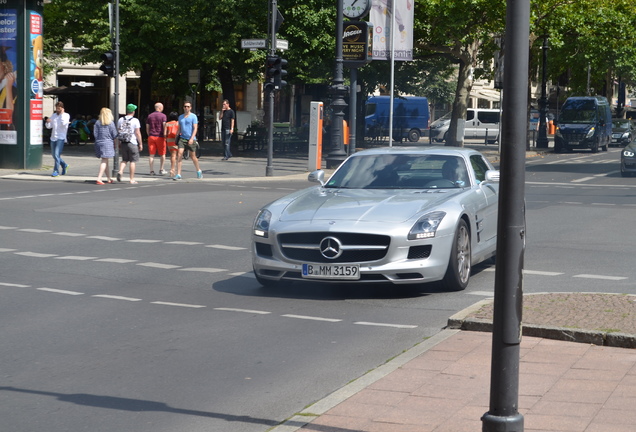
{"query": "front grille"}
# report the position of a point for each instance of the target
(263, 249)
(573, 136)
(420, 252)
(357, 248)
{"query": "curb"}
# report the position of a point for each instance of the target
(462, 321)
(320, 407)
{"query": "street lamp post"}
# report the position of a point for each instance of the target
(542, 139)
(339, 91)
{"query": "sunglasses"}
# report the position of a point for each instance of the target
(187, 106)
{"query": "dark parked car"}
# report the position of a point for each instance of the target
(628, 160)
(622, 132)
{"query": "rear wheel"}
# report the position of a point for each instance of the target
(414, 135)
(459, 265)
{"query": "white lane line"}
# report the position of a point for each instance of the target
(591, 276)
(35, 255)
(185, 243)
(603, 204)
(311, 318)
(69, 234)
(116, 260)
(243, 274)
(202, 269)
(7, 250)
(34, 230)
(104, 238)
(403, 326)
(482, 293)
(14, 285)
(143, 241)
(584, 179)
(2, 227)
(158, 265)
(541, 273)
(216, 246)
(114, 297)
(59, 291)
(178, 304)
(243, 311)
(75, 258)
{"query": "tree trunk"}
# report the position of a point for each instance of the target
(227, 85)
(462, 92)
(146, 104)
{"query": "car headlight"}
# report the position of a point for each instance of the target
(628, 153)
(261, 223)
(590, 133)
(426, 226)
(625, 136)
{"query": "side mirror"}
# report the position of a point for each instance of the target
(317, 176)
(492, 175)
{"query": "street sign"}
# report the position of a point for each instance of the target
(282, 44)
(253, 43)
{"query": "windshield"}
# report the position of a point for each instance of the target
(620, 125)
(401, 171)
(578, 111)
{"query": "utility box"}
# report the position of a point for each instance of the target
(315, 136)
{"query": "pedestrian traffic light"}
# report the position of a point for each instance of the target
(108, 63)
(280, 73)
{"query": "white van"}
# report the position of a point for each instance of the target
(479, 122)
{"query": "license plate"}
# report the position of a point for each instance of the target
(332, 271)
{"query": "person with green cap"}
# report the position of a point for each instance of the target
(130, 142)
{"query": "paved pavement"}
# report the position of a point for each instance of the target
(577, 357)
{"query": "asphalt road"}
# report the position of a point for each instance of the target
(134, 308)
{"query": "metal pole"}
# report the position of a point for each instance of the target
(503, 415)
(269, 169)
(115, 110)
(542, 140)
(353, 110)
(392, 75)
(339, 90)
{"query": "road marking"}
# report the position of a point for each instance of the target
(76, 258)
(541, 273)
(14, 285)
(482, 293)
(34, 230)
(584, 179)
(114, 297)
(243, 311)
(404, 326)
(143, 241)
(202, 269)
(7, 250)
(591, 276)
(35, 255)
(2, 227)
(603, 204)
(59, 291)
(217, 246)
(69, 234)
(104, 238)
(158, 265)
(178, 304)
(185, 243)
(312, 318)
(116, 260)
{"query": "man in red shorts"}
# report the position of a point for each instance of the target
(155, 124)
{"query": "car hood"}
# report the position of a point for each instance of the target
(574, 127)
(391, 206)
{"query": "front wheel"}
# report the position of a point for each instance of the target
(414, 135)
(459, 264)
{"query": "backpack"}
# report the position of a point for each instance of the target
(125, 132)
(171, 131)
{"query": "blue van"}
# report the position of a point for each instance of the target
(584, 122)
(410, 117)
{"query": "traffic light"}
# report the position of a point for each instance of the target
(280, 73)
(108, 63)
(270, 65)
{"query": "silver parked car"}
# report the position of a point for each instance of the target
(387, 215)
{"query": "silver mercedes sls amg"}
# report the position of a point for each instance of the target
(388, 215)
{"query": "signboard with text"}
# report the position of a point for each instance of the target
(357, 46)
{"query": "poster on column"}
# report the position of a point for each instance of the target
(36, 77)
(8, 75)
(380, 17)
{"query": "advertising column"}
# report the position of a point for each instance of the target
(21, 85)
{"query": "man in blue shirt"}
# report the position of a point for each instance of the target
(188, 127)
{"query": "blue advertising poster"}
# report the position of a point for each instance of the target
(8, 75)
